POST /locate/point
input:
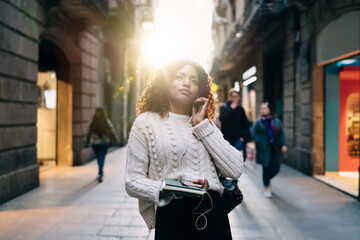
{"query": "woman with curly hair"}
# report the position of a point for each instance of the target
(173, 137)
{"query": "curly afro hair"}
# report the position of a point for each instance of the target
(156, 94)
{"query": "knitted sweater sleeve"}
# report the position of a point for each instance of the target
(137, 183)
(226, 158)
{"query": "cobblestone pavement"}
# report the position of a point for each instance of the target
(71, 204)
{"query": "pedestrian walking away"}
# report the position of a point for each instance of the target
(234, 124)
(100, 135)
(270, 143)
(173, 137)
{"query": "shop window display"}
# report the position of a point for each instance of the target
(353, 125)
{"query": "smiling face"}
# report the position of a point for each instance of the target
(184, 88)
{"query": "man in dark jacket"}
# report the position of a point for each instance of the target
(234, 124)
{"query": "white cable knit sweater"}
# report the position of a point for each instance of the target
(172, 148)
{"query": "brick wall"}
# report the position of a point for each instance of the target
(297, 97)
(88, 90)
(20, 24)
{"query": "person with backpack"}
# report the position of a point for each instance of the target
(235, 126)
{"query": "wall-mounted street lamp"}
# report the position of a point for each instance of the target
(249, 76)
(49, 96)
(147, 22)
(237, 86)
(249, 81)
(147, 26)
(249, 73)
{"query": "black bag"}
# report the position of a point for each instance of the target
(232, 195)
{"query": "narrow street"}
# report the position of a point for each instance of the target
(70, 204)
(77, 73)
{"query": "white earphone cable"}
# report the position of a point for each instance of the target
(202, 214)
(202, 198)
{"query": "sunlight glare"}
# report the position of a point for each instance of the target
(183, 29)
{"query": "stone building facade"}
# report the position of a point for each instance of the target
(290, 43)
(57, 66)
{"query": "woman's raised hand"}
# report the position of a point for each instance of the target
(199, 110)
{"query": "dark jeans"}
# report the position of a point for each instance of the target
(100, 152)
(272, 169)
(240, 145)
(176, 221)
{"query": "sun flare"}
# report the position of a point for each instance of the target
(183, 29)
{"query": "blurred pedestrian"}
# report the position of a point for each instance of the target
(173, 137)
(100, 135)
(269, 139)
(235, 126)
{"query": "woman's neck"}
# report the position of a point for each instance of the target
(180, 108)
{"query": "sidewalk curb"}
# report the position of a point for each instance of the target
(334, 187)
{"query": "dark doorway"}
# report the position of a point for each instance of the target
(273, 80)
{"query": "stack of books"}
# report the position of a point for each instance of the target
(182, 188)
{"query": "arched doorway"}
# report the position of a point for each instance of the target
(54, 146)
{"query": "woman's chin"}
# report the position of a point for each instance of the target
(183, 100)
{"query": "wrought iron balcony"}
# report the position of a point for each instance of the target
(121, 18)
(221, 7)
(301, 4)
(263, 7)
(256, 12)
(273, 7)
(93, 11)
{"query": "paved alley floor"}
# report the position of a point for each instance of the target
(301, 208)
(71, 204)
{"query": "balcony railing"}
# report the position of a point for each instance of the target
(221, 7)
(255, 10)
(121, 17)
(263, 7)
(102, 5)
(273, 7)
(93, 11)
